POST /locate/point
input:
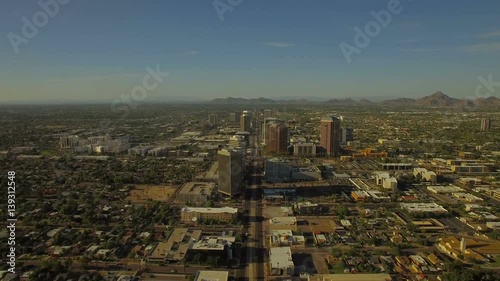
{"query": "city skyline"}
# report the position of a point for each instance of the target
(241, 140)
(84, 54)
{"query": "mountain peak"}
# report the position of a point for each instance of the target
(436, 99)
(440, 94)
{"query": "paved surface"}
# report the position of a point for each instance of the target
(254, 246)
(455, 223)
(255, 243)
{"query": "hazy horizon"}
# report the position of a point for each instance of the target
(95, 52)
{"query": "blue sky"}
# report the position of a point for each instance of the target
(95, 50)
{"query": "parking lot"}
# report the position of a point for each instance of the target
(456, 224)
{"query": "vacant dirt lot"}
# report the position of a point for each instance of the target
(316, 224)
(311, 260)
(272, 211)
(143, 193)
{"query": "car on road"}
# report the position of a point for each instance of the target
(173, 271)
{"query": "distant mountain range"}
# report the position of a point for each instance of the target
(261, 100)
(438, 99)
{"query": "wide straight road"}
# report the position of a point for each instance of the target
(254, 247)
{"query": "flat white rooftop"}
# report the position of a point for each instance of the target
(306, 204)
(423, 207)
(197, 188)
(211, 275)
(213, 242)
(282, 232)
(444, 189)
(280, 257)
(211, 210)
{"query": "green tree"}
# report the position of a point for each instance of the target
(341, 211)
(197, 258)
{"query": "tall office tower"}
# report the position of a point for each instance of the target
(347, 135)
(245, 120)
(69, 141)
(231, 171)
(330, 135)
(277, 137)
(265, 127)
(268, 113)
(232, 117)
(485, 124)
(212, 119)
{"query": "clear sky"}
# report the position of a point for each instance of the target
(97, 50)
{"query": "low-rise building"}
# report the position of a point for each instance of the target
(360, 195)
(220, 246)
(379, 177)
(429, 208)
(390, 183)
(367, 153)
(192, 192)
(462, 249)
(192, 214)
(471, 207)
(175, 248)
(285, 237)
(280, 262)
(396, 166)
(494, 193)
(425, 175)
(418, 260)
(320, 239)
(306, 207)
(470, 181)
(118, 145)
(160, 150)
(304, 149)
(277, 169)
(434, 260)
(345, 223)
(389, 143)
(466, 197)
(310, 173)
(493, 224)
(444, 188)
(429, 225)
(160, 252)
(141, 150)
(478, 169)
(377, 196)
